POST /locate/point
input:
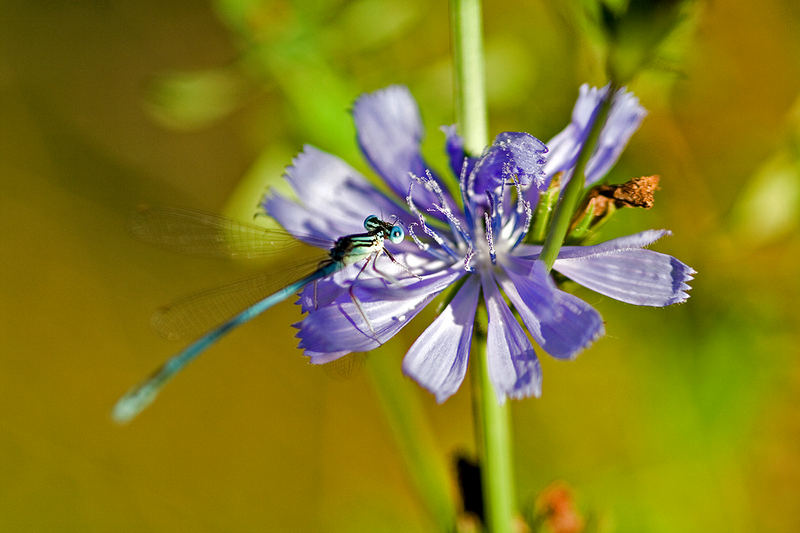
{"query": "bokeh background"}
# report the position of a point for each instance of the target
(680, 419)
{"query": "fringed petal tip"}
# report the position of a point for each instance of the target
(525, 387)
(643, 239)
(389, 130)
(627, 273)
(655, 234)
(533, 389)
(307, 150)
(681, 275)
(591, 339)
(583, 343)
(395, 99)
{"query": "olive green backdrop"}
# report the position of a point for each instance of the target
(680, 419)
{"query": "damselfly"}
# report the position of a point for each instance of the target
(198, 232)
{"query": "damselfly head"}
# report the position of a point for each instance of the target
(390, 230)
(372, 223)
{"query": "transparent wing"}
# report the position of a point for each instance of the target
(345, 367)
(200, 233)
(194, 315)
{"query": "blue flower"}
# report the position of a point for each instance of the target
(476, 240)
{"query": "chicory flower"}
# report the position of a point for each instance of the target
(474, 243)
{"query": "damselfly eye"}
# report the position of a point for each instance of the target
(397, 234)
(371, 222)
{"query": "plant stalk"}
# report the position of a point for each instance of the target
(492, 421)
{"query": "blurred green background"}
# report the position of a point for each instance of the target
(680, 419)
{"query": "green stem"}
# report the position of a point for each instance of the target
(492, 421)
(544, 210)
(574, 189)
(493, 428)
(469, 75)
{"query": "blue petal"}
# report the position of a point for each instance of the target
(454, 145)
(513, 154)
(621, 270)
(324, 291)
(564, 147)
(624, 119)
(339, 326)
(438, 358)
(628, 242)
(559, 322)
(300, 221)
(514, 369)
(317, 178)
(528, 251)
(389, 132)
